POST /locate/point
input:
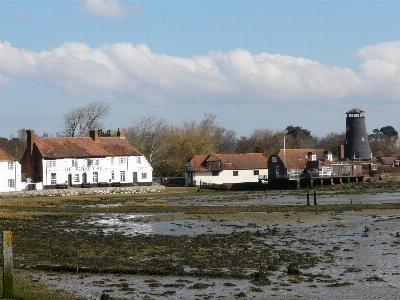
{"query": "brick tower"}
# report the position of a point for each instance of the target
(356, 146)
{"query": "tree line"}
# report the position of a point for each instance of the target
(168, 147)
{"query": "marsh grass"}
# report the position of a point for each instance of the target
(28, 288)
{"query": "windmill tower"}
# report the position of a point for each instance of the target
(356, 146)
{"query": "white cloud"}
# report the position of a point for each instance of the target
(381, 67)
(111, 9)
(122, 69)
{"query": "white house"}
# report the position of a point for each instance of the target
(10, 173)
(84, 161)
(226, 168)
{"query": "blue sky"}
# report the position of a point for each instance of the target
(254, 64)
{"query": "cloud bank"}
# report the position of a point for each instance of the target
(111, 9)
(123, 69)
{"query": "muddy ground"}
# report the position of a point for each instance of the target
(218, 245)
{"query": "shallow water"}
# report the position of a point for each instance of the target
(362, 264)
(359, 252)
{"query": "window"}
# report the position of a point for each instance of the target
(274, 159)
(144, 175)
(122, 175)
(11, 183)
(95, 176)
(76, 177)
(53, 178)
(215, 173)
(235, 173)
(138, 159)
(122, 160)
(74, 163)
(256, 172)
(112, 160)
(94, 162)
(277, 170)
(112, 175)
(51, 163)
(10, 165)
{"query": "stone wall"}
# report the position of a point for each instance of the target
(85, 191)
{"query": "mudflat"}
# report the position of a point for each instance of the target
(189, 244)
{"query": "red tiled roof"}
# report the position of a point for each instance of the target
(84, 147)
(246, 161)
(5, 156)
(297, 158)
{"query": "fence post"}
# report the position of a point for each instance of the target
(308, 198)
(315, 197)
(8, 278)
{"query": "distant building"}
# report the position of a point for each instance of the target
(10, 173)
(226, 168)
(356, 146)
(293, 164)
(78, 161)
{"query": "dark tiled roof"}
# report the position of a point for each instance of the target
(84, 147)
(297, 158)
(5, 156)
(246, 161)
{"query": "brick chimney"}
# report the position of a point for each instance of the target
(121, 133)
(30, 140)
(94, 134)
(341, 152)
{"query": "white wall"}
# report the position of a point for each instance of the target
(5, 174)
(104, 169)
(226, 176)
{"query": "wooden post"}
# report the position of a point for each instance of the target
(8, 278)
(315, 197)
(308, 198)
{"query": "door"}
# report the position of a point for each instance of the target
(69, 179)
(53, 178)
(95, 177)
(84, 179)
(134, 178)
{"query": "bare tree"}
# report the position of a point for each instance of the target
(78, 121)
(149, 135)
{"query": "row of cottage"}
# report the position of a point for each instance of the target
(101, 161)
(287, 164)
(64, 162)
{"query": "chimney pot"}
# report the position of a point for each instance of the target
(120, 133)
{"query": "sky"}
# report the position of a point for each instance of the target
(253, 64)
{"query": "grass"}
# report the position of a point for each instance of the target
(28, 288)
